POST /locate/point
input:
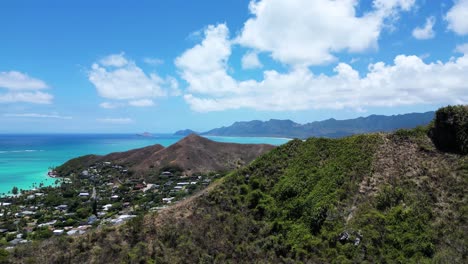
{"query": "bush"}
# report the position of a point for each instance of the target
(449, 130)
(43, 233)
(3, 256)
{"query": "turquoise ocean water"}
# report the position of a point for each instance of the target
(25, 159)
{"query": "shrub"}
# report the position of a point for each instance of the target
(449, 130)
(3, 256)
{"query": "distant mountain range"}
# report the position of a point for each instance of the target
(330, 128)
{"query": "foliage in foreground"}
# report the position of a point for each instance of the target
(450, 129)
(362, 199)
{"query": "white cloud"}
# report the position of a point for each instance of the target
(35, 115)
(427, 31)
(250, 61)
(204, 66)
(321, 28)
(463, 48)
(141, 103)
(21, 88)
(153, 61)
(26, 97)
(135, 103)
(118, 78)
(173, 86)
(304, 32)
(354, 60)
(114, 60)
(211, 54)
(457, 17)
(14, 80)
(110, 105)
(116, 121)
(409, 80)
(389, 7)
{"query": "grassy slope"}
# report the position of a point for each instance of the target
(304, 202)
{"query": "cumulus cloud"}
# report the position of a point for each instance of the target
(116, 121)
(463, 48)
(114, 60)
(408, 80)
(250, 61)
(26, 97)
(304, 32)
(35, 115)
(457, 17)
(204, 66)
(425, 32)
(117, 78)
(321, 29)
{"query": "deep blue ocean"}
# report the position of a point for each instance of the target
(26, 159)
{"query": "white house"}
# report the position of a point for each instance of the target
(168, 199)
(107, 207)
(58, 232)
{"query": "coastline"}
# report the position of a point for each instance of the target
(25, 162)
(46, 180)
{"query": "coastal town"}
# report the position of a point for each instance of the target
(103, 194)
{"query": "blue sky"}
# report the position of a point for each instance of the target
(160, 66)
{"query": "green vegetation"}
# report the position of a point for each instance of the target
(14, 191)
(450, 129)
(330, 128)
(3, 256)
(363, 199)
(32, 216)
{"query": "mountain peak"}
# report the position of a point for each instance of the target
(192, 154)
(192, 138)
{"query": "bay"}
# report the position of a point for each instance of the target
(26, 158)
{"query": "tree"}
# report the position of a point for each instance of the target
(14, 191)
(450, 129)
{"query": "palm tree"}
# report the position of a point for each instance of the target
(14, 190)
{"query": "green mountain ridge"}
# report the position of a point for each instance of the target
(330, 128)
(373, 198)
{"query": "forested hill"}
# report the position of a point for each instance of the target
(374, 198)
(330, 128)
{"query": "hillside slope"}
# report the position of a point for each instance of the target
(198, 154)
(185, 132)
(192, 154)
(330, 128)
(377, 198)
